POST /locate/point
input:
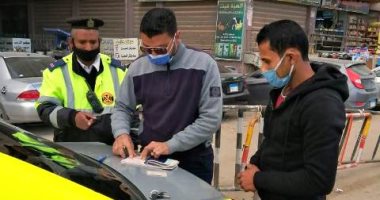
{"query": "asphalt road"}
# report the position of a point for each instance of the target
(361, 182)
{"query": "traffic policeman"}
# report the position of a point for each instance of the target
(78, 92)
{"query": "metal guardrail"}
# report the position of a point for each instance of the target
(360, 142)
(241, 154)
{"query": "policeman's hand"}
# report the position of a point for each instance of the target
(155, 149)
(84, 120)
(123, 144)
(245, 178)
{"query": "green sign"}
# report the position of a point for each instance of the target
(229, 30)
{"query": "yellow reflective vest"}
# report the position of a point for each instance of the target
(65, 88)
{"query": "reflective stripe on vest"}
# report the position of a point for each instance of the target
(55, 101)
(70, 90)
(107, 109)
(115, 79)
(69, 87)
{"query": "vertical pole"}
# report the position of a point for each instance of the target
(376, 147)
(261, 131)
(364, 134)
(342, 139)
(238, 145)
(216, 158)
(359, 138)
(343, 151)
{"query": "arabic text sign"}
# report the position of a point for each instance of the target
(126, 49)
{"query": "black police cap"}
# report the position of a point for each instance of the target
(85, 23)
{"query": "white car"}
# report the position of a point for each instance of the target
(20, 80)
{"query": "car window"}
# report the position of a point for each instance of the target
(25, 67)
(360, 69)
(223, 69)
(66, 163)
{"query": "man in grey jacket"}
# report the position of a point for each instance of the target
(180, 92)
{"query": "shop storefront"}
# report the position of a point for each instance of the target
(54, 13)
(344, 26)
(14, 18)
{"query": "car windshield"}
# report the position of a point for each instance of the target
(25, 67)
(223, 69)
(66, 163)
(360, 69)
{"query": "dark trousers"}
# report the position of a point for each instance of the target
(100, 131)
(198, 161)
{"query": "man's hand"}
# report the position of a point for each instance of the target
(155, 149)
(245, 178)
(84, 120)
(121, 142)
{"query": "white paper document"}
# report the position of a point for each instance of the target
(166, 164)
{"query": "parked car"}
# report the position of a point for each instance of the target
(258, 88)
(233, 86)
(20, 80)
(377, 81)
(360, 80)
(91, 165)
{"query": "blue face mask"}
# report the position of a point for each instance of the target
(160, 59)
(164, 58)
(273, 78)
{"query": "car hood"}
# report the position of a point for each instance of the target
(177, 183)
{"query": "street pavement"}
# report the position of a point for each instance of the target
(361, 182)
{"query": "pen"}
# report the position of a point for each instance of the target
(102, 158)
(125, 150)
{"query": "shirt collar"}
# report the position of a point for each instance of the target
(95, 64)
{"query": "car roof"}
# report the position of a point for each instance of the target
(340, 62)
(20, 54)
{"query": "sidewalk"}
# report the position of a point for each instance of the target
(362, 182)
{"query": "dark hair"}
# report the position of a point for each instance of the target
(158, 21)
(284, 34)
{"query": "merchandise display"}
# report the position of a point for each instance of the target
(356, 31)
(328, 39)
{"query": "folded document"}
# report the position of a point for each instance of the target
(167, 163)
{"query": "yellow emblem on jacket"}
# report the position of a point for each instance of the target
(107, 98)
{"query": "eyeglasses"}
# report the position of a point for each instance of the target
(157, 50)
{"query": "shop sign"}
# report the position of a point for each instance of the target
(229, 30)
(349, 6)
(303, 2)
(16, 44)
(126, 48)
